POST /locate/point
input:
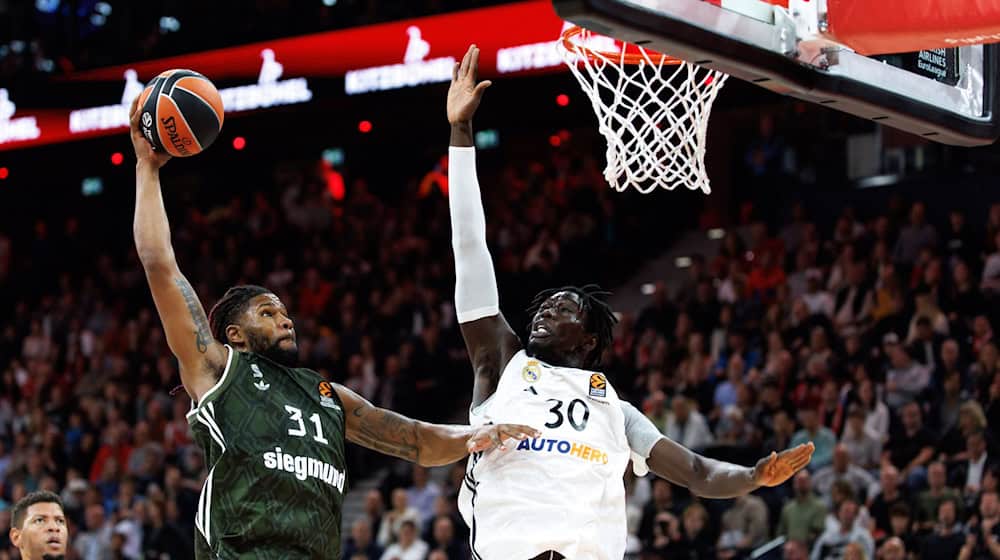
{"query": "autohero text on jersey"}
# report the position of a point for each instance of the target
(304, 467)
(578, 450)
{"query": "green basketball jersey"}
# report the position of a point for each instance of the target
(274, 444)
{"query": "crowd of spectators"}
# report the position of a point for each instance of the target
(873, 339)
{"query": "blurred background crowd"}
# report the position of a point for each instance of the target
(861, 319)
(872, 338)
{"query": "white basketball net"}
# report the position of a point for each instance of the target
(654, 115)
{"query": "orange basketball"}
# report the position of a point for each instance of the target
(181, 113)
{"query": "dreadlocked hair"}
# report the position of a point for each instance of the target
(232, 304)
(600, 320)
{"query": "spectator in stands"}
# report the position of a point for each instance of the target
(983, 534)
(725, 392)
(990, 283)
(901, 526)
(765, 277)
(924, 343)
(663, 501)
(914, 236)
(892, 549)
(841, 469)
(93, 542)
(937, 491)
(906, 378)
(839, 492)
(361, 540)
(876, 411)
(687, 426)
(392, 520)
(795, 550)
(744, 526)
(802, 518)
(863, 447)
(913, 449)
(947, 536)
(444, 538)
(890, 494)
(854, 551)
(821, 436)
(854, 301)
(962, 298)
(971, 418)
(832, 542)
(968, 474)
(945, 411)
(408, 546)
(817, 300)
(784, 429)
(696, 538)
(422, 493)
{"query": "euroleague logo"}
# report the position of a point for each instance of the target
(598, 385)
(326, 395)
(147, 124)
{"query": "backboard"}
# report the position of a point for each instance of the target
(947, 95)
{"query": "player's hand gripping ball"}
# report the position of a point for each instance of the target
(181, 113)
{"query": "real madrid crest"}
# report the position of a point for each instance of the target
(532, 371)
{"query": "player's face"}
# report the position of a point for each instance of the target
(269, 330)
(558, 332)
(43, 534)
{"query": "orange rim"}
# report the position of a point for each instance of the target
(632, 54)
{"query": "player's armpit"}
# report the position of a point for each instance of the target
(491, 343)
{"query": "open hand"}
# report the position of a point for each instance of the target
(465, 93)
(144, 152)
(776, 468)
(488, 437)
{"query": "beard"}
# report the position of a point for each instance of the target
(53, 557)
(272, 350)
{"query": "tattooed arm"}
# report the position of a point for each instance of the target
(190, 339)
(419, 442)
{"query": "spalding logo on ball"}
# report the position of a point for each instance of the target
(182, 113)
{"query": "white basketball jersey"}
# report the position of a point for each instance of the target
(562, 491)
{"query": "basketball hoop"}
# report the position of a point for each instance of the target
(654, 119)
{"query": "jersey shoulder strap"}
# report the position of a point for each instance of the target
(233, 362)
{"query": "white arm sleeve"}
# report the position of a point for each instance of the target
(475, 280)
(642, 435)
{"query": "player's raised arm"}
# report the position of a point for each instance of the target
(201, 357)
(419, 442)
(489, 339)
(706, 477)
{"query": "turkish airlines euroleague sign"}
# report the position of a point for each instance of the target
(513, 39)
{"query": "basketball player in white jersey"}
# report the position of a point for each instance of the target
(560, 495)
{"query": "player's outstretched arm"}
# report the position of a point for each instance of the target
(716, 479)
(201, 357)
(419, 442)
(489, 339)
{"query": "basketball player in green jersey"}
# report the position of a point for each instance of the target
(273, 435)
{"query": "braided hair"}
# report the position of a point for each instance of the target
(599, 319)
(232, 304)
